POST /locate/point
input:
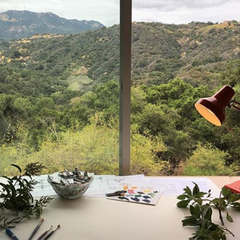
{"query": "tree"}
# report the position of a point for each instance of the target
(207, 161)
(23, 107)
(144, 159)
(232, 75)
(160, 121)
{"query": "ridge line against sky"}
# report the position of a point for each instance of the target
(107, 11)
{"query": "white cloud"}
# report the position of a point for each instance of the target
(107, 11)
(170, 5)
(185, 11)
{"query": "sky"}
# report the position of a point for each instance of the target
(107, 11)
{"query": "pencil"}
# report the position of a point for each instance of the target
(36, 229)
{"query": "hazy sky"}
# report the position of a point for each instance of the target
(107, 11)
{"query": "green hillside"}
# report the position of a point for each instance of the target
(56, 89)
(196, 52)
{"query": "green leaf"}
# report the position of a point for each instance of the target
(207, 212)
(196, 189)
(236, 205)
(201, 194)
(183, 203)
(182, 197)
(195, 210)
(190, 221)
(28, 175)
(188, 191)
(225, 192)
(224, 237)
(16, 166)
(12, 189)
(229, 218)
(192, 210)
(234, 197)
(199, 201)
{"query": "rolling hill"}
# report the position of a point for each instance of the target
(196, 52)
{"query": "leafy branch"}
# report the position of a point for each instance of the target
(201, 207)
(16, 197)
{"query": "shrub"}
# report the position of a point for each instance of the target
(206, 161)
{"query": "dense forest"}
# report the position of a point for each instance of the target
(59, 98)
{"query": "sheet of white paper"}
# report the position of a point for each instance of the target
(99, 186)
(42, 188)
(103, 184)
(175, 186)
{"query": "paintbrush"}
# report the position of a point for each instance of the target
(50, 233)
(44, 234)
(36, 229)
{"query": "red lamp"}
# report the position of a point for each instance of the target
(213, 108)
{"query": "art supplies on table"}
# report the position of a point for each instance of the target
(36, 229)
(11, 234)
(137, 194)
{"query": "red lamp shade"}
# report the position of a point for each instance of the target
(213, 108)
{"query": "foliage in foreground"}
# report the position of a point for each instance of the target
(32, 128)
(94, 148)
(201, 207)
(206, 161)
(17, 202)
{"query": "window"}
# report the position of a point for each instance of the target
(182, 51)
(59, 92)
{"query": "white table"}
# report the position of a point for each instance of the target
(102, 219)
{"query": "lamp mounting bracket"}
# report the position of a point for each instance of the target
(234, 104)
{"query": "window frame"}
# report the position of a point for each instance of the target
(125, 86)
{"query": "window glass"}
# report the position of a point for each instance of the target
(59, 85)
(183, 51)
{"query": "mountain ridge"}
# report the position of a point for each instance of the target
(20, 24)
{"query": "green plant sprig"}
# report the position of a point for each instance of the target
(16, 200)
(201, 206)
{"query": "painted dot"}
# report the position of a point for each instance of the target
(123, 198)
(146, 197)
(138, 196)
(130, 191)
(135, 199)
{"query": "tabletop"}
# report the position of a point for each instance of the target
(96, 218)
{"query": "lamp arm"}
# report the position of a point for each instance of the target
(233, 104)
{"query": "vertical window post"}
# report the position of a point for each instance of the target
(125, 85)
